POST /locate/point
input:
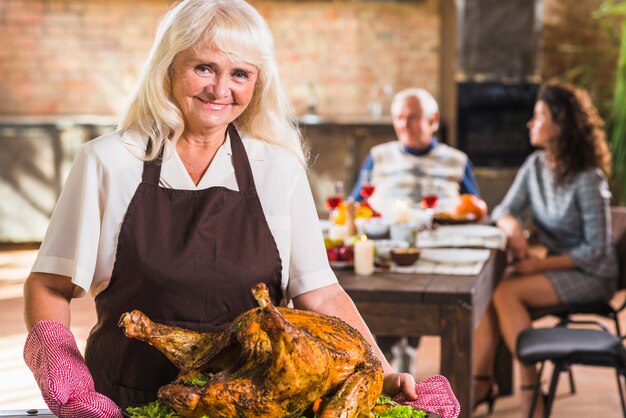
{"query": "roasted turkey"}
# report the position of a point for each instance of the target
(270, 362)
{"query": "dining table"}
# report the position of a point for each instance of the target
(446, 305)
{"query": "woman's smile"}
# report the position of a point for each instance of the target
(211, 104)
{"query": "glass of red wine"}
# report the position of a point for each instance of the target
(429, 203)
(367, 187)
(334, 200)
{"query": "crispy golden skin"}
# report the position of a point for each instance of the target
(270, 362)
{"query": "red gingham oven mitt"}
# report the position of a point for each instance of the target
(67, 387)
(434, 395)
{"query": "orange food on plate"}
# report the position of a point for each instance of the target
(445, 217)
(471, 205)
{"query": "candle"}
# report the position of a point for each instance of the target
(400, 213)
(364, 256)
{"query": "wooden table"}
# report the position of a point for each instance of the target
(429, 304)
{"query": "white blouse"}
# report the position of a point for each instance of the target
(81, 240)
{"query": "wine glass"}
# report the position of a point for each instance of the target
(334, 200)
(367, 187)
(429, 202)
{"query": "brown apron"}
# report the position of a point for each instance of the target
(185, 258)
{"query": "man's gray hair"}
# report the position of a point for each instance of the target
(428, 102)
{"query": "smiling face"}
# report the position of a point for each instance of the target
(412, 127)
(211, 88)
(542, 127)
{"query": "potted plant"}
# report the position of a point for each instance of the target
(608, 12)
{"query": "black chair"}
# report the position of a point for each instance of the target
(600, 308)
(567, 346)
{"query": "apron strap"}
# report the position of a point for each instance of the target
(243, 172)
(152, 169)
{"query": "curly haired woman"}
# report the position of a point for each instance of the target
(564, 185)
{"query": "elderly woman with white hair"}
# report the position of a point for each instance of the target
(200, 194)
(417, 164)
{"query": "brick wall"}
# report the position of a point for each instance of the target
(82, 57)
(72, 57)
(346, 50)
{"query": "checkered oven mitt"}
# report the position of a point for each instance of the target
(62, 375)
(434, 395)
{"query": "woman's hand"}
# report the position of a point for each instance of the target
(395, 383)
(534, 265)
(527, 266)
(435, 395)
(517, 246)
(51, 352)
(62, 375)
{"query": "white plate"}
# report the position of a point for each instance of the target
(483, 231)
(453, 256)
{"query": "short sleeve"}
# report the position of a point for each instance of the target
(308, 268)
(70, 245)
(468, 182)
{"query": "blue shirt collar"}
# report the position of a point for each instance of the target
(421, 152)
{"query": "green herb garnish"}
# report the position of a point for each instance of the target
(402, 411)
(153, 410)
(158, 410)
(385, 400)
(397, 410)
(200, 380)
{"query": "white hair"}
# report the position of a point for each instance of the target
(235, 28)
(427, 101)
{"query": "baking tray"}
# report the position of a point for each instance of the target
(46, 413)
(34, 412)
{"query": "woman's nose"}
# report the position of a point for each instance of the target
(219, 88)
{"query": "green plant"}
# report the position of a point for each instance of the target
(616, 127)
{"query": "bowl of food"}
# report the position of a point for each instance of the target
(384, 247)
(375, 228)
(405, 256)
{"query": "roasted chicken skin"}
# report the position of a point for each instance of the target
(270, 362)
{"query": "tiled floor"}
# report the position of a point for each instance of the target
(596, 397)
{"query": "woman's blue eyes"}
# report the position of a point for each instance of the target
(207, 71)
(202, 69)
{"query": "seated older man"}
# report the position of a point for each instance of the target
(417, 163)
